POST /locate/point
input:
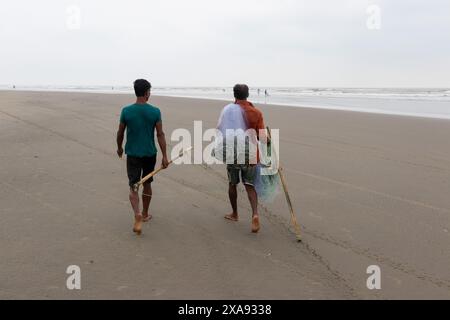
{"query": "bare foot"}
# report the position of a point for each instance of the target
(232, 217)
(255, 224)
(146, 217)
(137, 225)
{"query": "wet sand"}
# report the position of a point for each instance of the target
(369, 190)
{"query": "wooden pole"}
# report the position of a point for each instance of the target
(154, 173)
(291, 208)
(288, 198)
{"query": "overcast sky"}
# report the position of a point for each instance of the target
(218, 43)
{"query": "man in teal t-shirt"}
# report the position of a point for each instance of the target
(140, 120)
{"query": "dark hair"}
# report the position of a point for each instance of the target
(241, 91)
(141, 86)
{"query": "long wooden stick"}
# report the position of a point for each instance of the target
(288, 198)
(154, 173)
(291, 208)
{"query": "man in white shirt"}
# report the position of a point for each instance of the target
(237, 122)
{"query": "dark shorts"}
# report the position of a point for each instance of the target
(138, 168)
(236, 172)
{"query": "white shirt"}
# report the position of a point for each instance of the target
(232, 126)
(232, 117)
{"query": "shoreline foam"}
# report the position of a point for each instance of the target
(368, 110)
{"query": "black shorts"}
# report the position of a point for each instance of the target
(138, 168)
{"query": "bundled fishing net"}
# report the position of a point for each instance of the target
(233, 143)
(267, 186)
(267, 182)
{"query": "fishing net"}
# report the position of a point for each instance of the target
(233, 142)
(267, 182)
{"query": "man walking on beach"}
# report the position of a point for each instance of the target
(238, 118)
(140, 120)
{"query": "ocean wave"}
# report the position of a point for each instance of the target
(432, 102)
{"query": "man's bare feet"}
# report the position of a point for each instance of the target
(255, 224)
(232, 217)
(138, 225)
(146, 217)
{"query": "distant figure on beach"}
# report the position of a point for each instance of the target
(14, 86)
(259, 92)
(266, 95)
(140, 120)
(241, 116)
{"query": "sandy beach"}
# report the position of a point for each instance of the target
(369, 189)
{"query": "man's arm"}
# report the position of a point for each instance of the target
(162, 144)
(120, 137)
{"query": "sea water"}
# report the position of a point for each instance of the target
(420, 102)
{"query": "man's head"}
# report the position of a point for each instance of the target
(241, 91)
(142, 88)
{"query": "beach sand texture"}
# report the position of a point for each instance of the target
(368, 189)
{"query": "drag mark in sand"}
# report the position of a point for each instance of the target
(85, 118)
(30, 196)
(271, 217)
(76, 185)
(61, 135)
(345, 245)
(379, 193)
(388, 261)
(375, 152)
(276, 218)
(211, 238)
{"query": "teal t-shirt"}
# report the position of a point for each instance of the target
(141, 120)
